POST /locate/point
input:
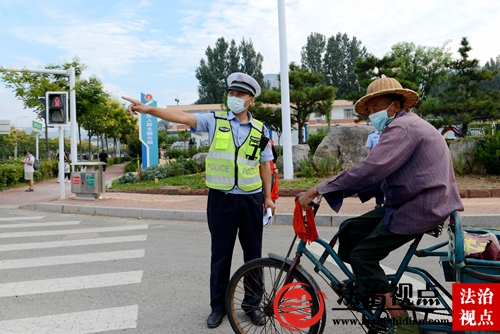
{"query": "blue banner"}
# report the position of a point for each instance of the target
(148, 134)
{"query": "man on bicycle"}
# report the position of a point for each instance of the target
(413, 167)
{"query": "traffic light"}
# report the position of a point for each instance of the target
(56, 108)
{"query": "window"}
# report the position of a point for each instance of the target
(349, 113)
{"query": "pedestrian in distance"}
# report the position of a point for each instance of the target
(28, 162)
(239, 182)
(67, 172)
(103, 157)
(413, 163)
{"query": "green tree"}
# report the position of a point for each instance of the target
(422, 67)
(308, 94)
(28, 87)
(312, 53)
(492, 65)
(250, 62)
(222, 60)
(462, 101)
(339, 63)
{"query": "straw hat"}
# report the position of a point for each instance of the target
(384, 86)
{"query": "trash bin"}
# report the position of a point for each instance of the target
(86, 182)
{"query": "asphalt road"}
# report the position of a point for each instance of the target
(95, 274)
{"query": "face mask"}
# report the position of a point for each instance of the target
(380, 120)
(236, 104)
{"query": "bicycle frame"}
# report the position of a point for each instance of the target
(373, 316)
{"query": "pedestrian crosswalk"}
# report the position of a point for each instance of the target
(57, 262)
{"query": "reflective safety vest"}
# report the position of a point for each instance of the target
(227, 165)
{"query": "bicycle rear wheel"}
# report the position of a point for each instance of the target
(258, 284)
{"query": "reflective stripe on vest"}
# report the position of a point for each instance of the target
(228, 166)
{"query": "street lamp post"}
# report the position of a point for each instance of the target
(15, 129)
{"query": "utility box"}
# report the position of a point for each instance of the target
(86, 182)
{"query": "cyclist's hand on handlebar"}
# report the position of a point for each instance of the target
(306, 198)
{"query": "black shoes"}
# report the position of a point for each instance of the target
(215, 319)
(258, 318)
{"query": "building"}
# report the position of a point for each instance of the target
(342, 114)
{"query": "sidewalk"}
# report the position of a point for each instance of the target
(478, 211)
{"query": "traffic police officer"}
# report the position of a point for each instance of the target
(239, 182)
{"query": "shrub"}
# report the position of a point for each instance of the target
(488, 152)
(132, 165)
(320, 167)
(314, 139)
(127, 178)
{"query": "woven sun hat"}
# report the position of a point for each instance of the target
(244, 83)
(384, 86)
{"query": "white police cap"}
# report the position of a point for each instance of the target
(244, 83)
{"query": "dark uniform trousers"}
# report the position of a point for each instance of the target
(230, 216)
(365, 241)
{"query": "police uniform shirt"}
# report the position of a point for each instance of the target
(372, 140)
(206, 123)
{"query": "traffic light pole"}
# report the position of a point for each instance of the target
(72, 115)
(60, 164)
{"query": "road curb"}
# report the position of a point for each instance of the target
(334, 220)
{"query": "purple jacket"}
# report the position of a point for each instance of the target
(413, 163)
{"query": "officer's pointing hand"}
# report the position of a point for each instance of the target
(135, 107)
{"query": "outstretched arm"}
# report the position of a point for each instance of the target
(137, 107)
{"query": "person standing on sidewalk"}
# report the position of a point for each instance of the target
(28, 162)
(371, 142)
(239, 182)
(103, 157)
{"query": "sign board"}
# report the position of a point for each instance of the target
(36, 126)
(90, 180)
(4, 127)
(76, 180)
(148, 131)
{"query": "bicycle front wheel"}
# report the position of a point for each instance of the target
(259, 285)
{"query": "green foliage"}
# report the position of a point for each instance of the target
(339, 63)
(462, 166)
(461, 100)
(181, 167)
(488, 152)
(306, 168)
(308, 95)
(320, 167)
(128, 178)
(222, 60)
(132, 165)
(314, 139)
(313, 51)
(12, 173)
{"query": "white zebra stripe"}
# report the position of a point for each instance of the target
(71, 259)
(69, 283)
(75, 222)
(77, 231)
(6, 219)
(71, 243)
(95, 321)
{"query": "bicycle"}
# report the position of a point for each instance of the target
(275, 281)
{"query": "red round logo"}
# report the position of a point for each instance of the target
(292, 307)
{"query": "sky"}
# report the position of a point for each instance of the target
(155, 46)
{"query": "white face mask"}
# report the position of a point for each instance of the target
(380, 120)
(236, 104)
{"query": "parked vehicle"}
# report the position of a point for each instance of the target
(180, 145)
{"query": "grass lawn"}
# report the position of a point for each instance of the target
(197, 181)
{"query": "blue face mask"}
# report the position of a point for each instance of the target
(380, 120)
(236, 104)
